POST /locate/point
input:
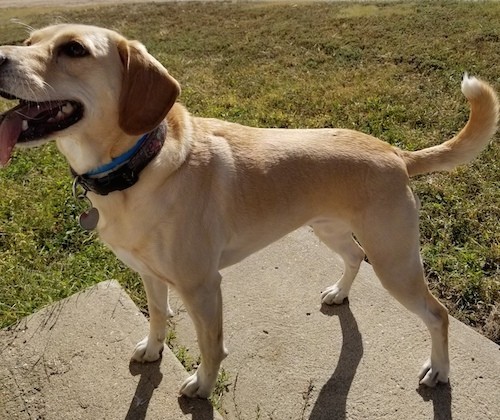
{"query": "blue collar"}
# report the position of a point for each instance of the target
(118, 161)
(123, 171)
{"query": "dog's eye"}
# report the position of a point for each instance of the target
(74, 49)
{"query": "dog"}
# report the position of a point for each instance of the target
(178, 198)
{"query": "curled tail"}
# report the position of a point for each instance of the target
(467, 144)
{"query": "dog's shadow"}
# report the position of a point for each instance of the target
(441, 400)
(332, 399)
(150, 379)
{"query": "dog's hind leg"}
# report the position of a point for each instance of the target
(338, 237)
(204, 305)
(149, 349)
(409, 288)
(391, 241)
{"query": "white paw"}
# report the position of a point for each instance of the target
(196, 386)
(333, 294)
(430, 375)
(147, 350)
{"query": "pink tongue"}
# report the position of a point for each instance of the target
(12, 125)
(10, 129)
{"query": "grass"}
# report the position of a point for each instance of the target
(391, 70)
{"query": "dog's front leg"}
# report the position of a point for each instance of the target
(149, 349)
(204, 304)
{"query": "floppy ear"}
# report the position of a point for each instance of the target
(148, 91)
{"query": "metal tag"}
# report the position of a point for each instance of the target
(88, 219)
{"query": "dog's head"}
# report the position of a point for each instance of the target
(89, 88)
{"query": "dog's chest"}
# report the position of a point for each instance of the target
(126, 235)
(132, 250)
(132, 260)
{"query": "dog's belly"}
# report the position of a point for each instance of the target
(252, 240)
(234, 256)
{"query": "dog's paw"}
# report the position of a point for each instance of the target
(197, 387)
(430, 375)
(147, 350)
(333, 294)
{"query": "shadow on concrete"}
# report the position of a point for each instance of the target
(441, 400)
(332, 399)
(150, 380)
(198, 408)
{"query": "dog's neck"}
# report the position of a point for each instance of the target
(123, 171)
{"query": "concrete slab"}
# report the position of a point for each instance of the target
(71, 361)
(290, 358)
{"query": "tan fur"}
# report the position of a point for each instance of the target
(467, 144)
(219, 191)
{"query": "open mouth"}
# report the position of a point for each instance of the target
(32, 121)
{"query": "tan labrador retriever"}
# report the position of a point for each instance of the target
(210, 192)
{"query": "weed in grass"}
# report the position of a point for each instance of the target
(221, 387)
(170, 337)
(180, 351)
(392, 70)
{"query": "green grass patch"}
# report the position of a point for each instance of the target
(391, 70)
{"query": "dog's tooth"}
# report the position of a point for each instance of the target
(51, 120)
(59, 115)
(67, 108)
(25, 125)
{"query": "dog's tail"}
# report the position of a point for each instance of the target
(467, 144)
